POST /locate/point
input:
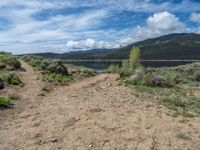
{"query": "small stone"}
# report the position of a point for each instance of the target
(37, 124)
(148, 127)
(77, 119)
(53, 140)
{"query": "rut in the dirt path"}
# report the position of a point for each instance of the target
(28, 93)
(12, 119)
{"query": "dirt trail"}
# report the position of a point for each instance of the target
(94, 113)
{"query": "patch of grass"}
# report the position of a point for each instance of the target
(85, 72)
(8, 61)
(188, 106)
(4, 102)
(10, 78)
(113, 69)
(168, 76)
(46, 89)
(196, 76)
(47, 65)
(2, 65)
(52, 70)
(147, 89)
(52, 77)
(153, 78)
(14, 97)
(159, 91)
(176, 99)
(183, 136)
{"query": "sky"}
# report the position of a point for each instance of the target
(35, 26)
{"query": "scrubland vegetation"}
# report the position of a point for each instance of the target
(54, 70)
(8, 76)
(170, 84)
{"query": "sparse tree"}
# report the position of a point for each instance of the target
(134, 58)
(125, 70)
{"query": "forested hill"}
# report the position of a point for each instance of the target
(173, 46)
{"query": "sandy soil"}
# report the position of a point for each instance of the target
(95, 113)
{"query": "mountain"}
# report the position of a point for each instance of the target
(172, 46)
(87, 54)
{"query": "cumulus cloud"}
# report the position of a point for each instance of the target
(164, 22)
(195, 17)
(89, 44)
(158, 24)
(73, 45)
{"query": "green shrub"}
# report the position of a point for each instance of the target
(153, 79)
(184, 105)
(50, 77)
(34, 62)
(44, 64)
(85, 72)
(183, 136)
(46, 88)
(129, 66)
(9, 61)
(11, 78)
(113, 69)
(2, 65)
(13, 63)
(126, 70)
(4, 102)
(14, 97)
(57, 67)
(134, 58)
(26, 58)
(196, 76)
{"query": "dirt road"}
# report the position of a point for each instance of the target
(95, 113)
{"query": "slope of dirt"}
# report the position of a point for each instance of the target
(94, 113)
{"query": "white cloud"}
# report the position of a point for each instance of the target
(164, 22)
(89, 44)
(195, 17)
(26, 29)
(73, 45)
(158, 24)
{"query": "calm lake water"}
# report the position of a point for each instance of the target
(103, 65)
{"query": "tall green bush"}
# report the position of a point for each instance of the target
(113, 68)
(129, 66)
(125, 70)
(134, 58)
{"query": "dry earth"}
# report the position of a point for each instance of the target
(95, 113)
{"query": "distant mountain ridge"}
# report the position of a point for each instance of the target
(172, 46)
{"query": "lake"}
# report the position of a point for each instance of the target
(101, 65)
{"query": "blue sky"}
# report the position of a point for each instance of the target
(30, 26)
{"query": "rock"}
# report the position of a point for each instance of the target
(24, 116)
(53, 140)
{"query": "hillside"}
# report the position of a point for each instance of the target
(173, 46)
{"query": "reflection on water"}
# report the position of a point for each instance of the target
(103, 65)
